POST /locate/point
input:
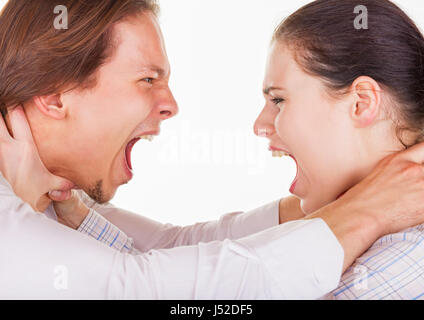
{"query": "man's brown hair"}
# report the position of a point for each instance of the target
(36, 59)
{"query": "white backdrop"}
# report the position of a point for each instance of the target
(207, 160)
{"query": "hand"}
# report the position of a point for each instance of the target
(289, 209)
(71, 212)
(388, 200)
(22, 167)
(393, 194)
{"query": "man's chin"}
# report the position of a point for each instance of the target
(99, 193)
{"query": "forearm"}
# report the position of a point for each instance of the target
(149, 234)
(79, 212)
(353, 227)
(355, 230)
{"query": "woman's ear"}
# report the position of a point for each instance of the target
(367, 101)
(50, 106)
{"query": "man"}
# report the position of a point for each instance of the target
(88, 93)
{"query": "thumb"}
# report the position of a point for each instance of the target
(60, 189)
(414, 153)
(57, 195)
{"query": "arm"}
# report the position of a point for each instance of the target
(100, 229)
(149, 234)
(289, 209)
(20, 161)
(265, 265)
(387, 201)
(286, 261)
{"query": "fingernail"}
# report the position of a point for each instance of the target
(55, 194)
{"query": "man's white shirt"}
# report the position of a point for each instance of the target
(243, 255)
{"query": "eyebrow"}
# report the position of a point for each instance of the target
(269, 89)
(154, 68)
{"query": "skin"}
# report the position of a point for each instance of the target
(336, 140)
(388, 200)
(363, 213)
(82, 135)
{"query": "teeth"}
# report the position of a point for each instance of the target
(279, 154)
(146, 137)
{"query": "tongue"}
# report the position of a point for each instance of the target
(293, 184)
(128, 151)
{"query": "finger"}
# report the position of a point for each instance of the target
(19, 124)
(414, 153)
(4, 133)
(59, 196)
(42, 204)
(60, 184)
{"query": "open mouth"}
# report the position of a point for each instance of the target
(293, 184)
(280, 153)
(130, 146)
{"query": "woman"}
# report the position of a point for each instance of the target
(285, 261)
(338, 100)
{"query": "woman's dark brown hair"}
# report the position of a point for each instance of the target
(391, 51)
(37, 59)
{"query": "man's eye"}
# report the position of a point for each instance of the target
(277, 101)
(148, 80)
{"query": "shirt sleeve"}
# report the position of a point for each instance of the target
(148, 234)
(42, 259)
(391, 269)
(97, 227)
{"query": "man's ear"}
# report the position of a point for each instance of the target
(367, 101)
(51, 106)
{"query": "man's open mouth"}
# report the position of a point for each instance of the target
(129, 147)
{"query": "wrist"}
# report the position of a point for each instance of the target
(75, 219)
(289, 209)
(355, 228)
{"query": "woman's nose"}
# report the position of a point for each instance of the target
(264, 126)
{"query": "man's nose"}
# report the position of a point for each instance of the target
(264, 126)
(167, 107)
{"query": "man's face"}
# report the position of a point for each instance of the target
(91, 144)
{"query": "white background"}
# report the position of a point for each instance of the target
(207, 161)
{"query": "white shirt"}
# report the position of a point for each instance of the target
(42, 259)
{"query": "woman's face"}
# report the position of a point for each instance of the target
(333, 147)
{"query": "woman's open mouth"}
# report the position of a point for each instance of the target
(276, 152)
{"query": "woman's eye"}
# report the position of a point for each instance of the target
(277, 101)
